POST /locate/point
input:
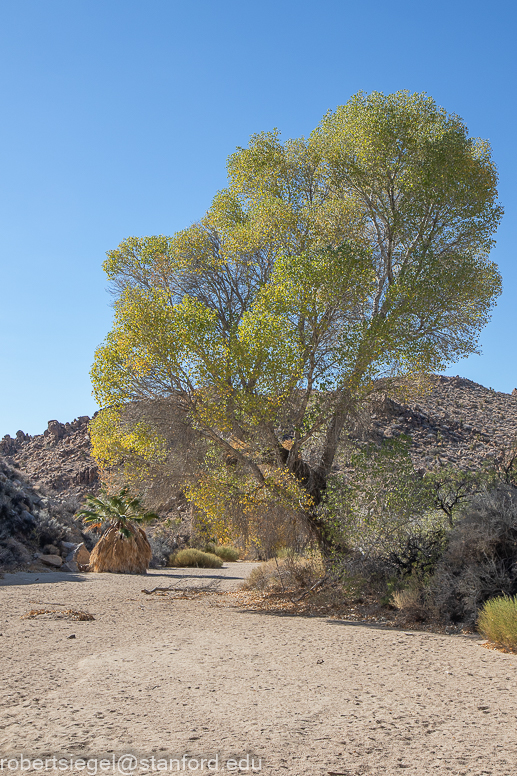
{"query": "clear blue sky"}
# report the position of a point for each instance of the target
(118, 116)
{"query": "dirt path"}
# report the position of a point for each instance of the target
(190, 677)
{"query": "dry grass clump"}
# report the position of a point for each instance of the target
(67, 614)
(409, 602)
(196, 559)
(498, 621)
(224, 551)
(292, 573)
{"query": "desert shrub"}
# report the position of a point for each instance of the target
(480, 561)
(410, 601)
(418, 553)
(49, 530)
(165, 541)
(498, 621)
(226, 552)
(195, 558)
(264, 577)
(291, 573)
(162, 548)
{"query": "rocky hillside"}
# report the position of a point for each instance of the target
(57, 462)
(37, 532)
(456, 422)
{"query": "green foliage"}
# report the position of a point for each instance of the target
(326, 263)
(119, 511)
(385, 507)
(498, 621)
(195, 558)
(382, 503)
(225, 552)
(449, 488)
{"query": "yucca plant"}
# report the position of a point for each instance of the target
(123, 547)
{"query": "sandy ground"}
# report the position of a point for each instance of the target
(200, 685)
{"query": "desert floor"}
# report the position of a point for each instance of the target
(200, 685)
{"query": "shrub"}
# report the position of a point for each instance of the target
(264, 577)
(196, 559)
(419, 553)
(226, 552)
(498, 621)
(165, 541)
(409, 601)
(291, 573)
(481, 558)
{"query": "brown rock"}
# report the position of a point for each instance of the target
(70, 565)
(51, 560)
(51, 549)
(81, 555)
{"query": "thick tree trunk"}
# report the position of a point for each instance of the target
(314, 480)
(333, 435)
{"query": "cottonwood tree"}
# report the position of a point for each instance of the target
(328, 262)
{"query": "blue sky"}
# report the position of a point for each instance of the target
(118, 117)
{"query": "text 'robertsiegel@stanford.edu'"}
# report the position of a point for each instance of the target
(129, 764)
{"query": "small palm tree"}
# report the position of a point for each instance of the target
(123, 547)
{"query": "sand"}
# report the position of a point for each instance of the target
(194, 682)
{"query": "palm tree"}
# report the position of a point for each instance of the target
(123, 547)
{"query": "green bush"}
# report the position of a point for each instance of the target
(195, 558)
(498, 621)
(228, 553)
(224, 551)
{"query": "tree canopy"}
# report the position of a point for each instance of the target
(328, 262)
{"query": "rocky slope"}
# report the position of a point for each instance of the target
(36, 532)
(456, 422)
(57, 462)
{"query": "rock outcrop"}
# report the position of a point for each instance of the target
(57, 462)
(457, 422)
(36, 532)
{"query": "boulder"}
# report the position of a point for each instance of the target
(56, 561)
(70, 565)
(50, 549)
(56, 429)
(79, 555)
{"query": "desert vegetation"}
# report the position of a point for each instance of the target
(123, 546)
(328, 263)
(196, 559)
(498, 621)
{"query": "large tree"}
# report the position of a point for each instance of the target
(329, 262)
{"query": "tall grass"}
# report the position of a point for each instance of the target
(498, 621)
